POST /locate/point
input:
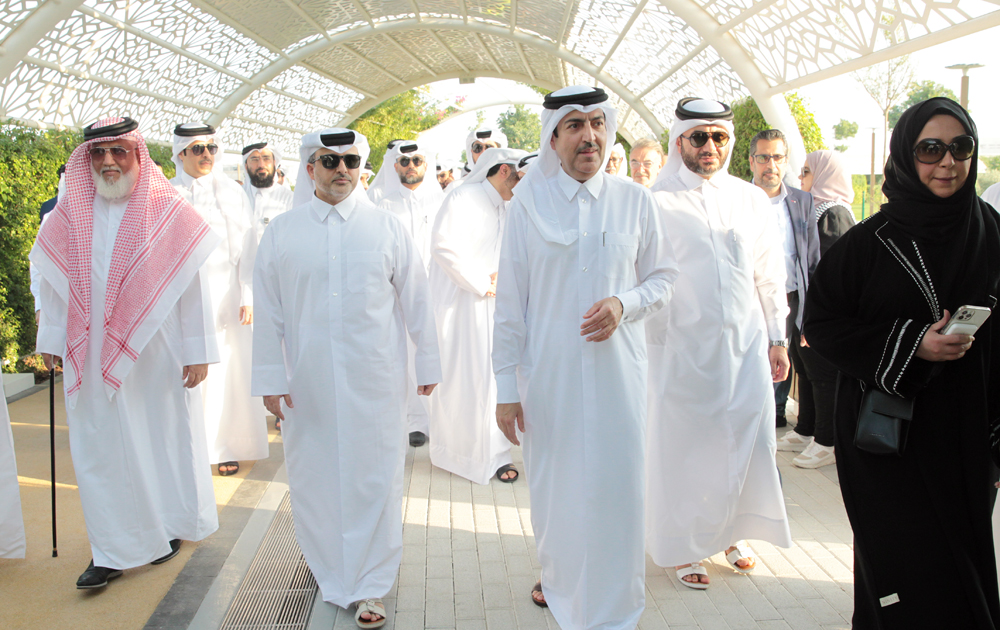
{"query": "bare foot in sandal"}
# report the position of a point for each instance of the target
(693, 578)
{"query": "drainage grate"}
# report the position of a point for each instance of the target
(279, 588)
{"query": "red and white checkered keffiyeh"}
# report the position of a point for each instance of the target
(157, 235)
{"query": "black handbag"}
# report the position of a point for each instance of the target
(883, 422)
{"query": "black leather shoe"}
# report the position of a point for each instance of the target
(175, 548)
(97, 577)
(417, 438)
(780, 422)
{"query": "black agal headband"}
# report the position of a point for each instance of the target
(254, 147)
(337, 139)
(190, 132)
(597, 95)
(116, 129)
(692, 108)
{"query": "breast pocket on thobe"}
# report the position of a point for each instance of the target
(617, 254)
(364, 271)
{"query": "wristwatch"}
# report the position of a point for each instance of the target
(781, 342)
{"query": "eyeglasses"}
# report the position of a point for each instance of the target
(614, 159)
(479, 147)
(405, 161)
(198, 149)
(932, 150)
(763, 158)
(646, 165)
(331, 161)
(698, 139)
(98, 153)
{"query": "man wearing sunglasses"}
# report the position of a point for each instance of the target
(235, 424)
(463, 275)
(268, 198)
(338, 286)
(476, 142)
(125, 303)
(416, 202)
(714, 352)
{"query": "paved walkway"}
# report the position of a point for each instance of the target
(469, 559)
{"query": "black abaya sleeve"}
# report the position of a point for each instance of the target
(845, 321)
(833, 224)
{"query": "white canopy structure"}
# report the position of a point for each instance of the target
(280, 68)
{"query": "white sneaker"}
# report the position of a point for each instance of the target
(815, 456)
(792, 441)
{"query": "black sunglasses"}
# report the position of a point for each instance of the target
(198, 149)
(331, 161)
(932, 150)
(479, 148)
(98, 153)
(698, 139)
(405, 161)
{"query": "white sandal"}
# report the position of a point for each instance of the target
(694, 569)
(742, 551)
(372, 606)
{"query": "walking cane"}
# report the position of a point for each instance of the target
(52, 450)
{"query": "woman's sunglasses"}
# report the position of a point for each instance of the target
(932, 150)
(331, 161)
(405, 161)
(698, 139)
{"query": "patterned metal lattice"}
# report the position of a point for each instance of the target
(273, 69)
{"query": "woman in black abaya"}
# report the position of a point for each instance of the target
(877, 303)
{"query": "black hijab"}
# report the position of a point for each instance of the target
(960, 233)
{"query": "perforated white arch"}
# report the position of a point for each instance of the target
(274, 69)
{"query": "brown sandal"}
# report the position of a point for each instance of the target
(538, 589)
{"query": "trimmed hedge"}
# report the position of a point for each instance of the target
(749, 121)
(29, 159)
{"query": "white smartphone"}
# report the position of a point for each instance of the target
(966, 320)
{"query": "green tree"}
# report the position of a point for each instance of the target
(919, 91)
(29, 159)
(992, 162)
(401, 117)
(845, 129)
(522, 127)
(841, 148)
(748, 121)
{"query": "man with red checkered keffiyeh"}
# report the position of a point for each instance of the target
(124, 303)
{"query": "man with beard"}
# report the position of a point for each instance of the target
(796, 221)
(125, 305)
(616, 162)
(234, 422)
(713, 353)
(416, 203)
(268, 198)
(463, 275)
(583, 260)
(338, 285)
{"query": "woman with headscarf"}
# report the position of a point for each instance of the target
(879, 299)
(826, 176)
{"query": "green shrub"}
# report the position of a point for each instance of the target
(29, 159)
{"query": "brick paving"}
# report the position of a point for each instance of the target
(469, 563)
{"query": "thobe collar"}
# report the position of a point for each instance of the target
(571, 187)
(493, 195)
(344, 208)
(693, 181)
(188, 181)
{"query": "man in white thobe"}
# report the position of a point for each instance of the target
(583, 259)
(125, 305)
(618, 162)
(234, 423)
(338, 285)
(478, 141)
(713, 354)
(12, 544)
(463, 274)
(415, 199)
(268, 198)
